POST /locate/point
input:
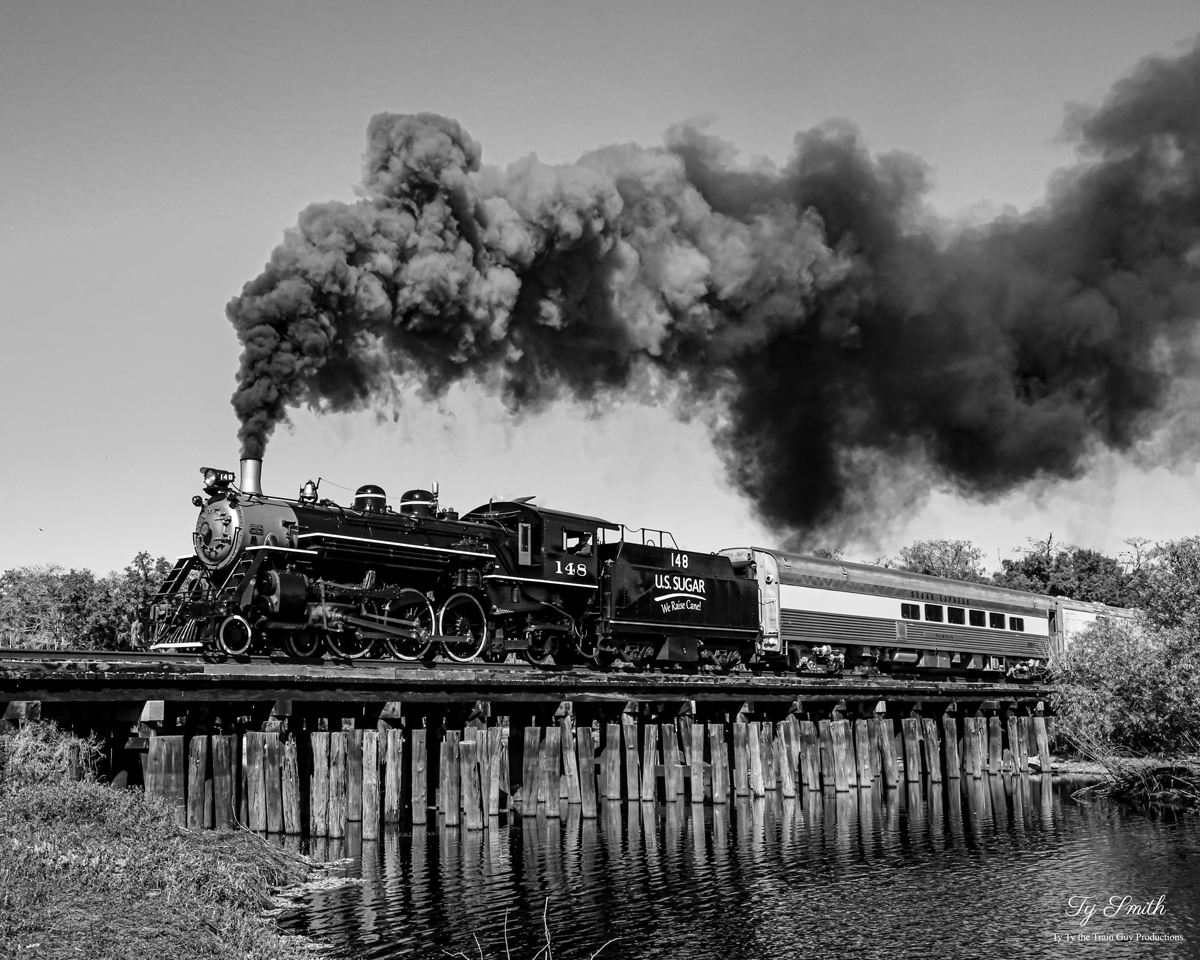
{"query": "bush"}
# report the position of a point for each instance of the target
(1130, 686)
(91, 871)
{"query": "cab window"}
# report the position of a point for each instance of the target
(577, 542)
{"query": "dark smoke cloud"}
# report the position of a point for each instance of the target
(840, 334)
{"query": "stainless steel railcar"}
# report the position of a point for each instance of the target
(833, 615)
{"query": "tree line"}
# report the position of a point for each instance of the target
(1048, 567)
(47, 607)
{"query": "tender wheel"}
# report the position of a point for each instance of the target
(235, 636)
(412, 606)
(462, 618)
(302, 644)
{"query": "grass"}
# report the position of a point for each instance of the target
(90, 871)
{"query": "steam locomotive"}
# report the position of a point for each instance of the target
(312, 577)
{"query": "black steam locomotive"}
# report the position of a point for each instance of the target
(312, 577)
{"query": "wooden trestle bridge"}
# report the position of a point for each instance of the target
(313, 746)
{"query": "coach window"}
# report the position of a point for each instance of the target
(956, 615)
(910, 611)
(977, 618)
(933, 613)
(1016, 623)
(996, 621)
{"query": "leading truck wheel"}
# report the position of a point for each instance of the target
(463, 625)
(235, 636)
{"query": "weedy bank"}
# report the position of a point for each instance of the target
(89, 871)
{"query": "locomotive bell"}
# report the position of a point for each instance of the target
(370, 499)
(418, 503)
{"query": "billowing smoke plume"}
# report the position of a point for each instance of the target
(838, 331)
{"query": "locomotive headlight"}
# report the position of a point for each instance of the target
(215, 479)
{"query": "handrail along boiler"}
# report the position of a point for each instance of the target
(313, 576)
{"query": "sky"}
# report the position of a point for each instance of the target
(154, 153)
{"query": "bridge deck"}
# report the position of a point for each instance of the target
(59, 676)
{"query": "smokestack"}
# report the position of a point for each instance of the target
(251, 482)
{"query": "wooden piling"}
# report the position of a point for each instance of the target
(197, 769)
(873, 746)
(720, 773)
(741, 760)
(420, 772)
(932, 744)
(766, 747)
(672, 771)
(530, 763)
(1021, 751)
(552, 758)
(354, 775)
(370, 784)
(787, 782)
(1011, 730)
(290, 787)
(633, 764)
(570, 762)
(696, 731)
(585, 751)
(337, 784)
(495, 748)
(950, 731)
(255, 780)
(887, 752)
(224, 796)
(174, 776)
(828, 763)
(912, 749)
(754, 772)
(273, 781)
(789, 732)
(472, 794)
(649, 762)
(450, 779)
(973, 744)
(318, 787)
(1043, 743)
(612, 760)
(862, 752)
(843, 763)
(810, 755)
(391, 756)
(995, 745)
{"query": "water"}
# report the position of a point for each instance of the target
(985, 868)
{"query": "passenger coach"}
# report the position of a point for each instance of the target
(834, 615)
